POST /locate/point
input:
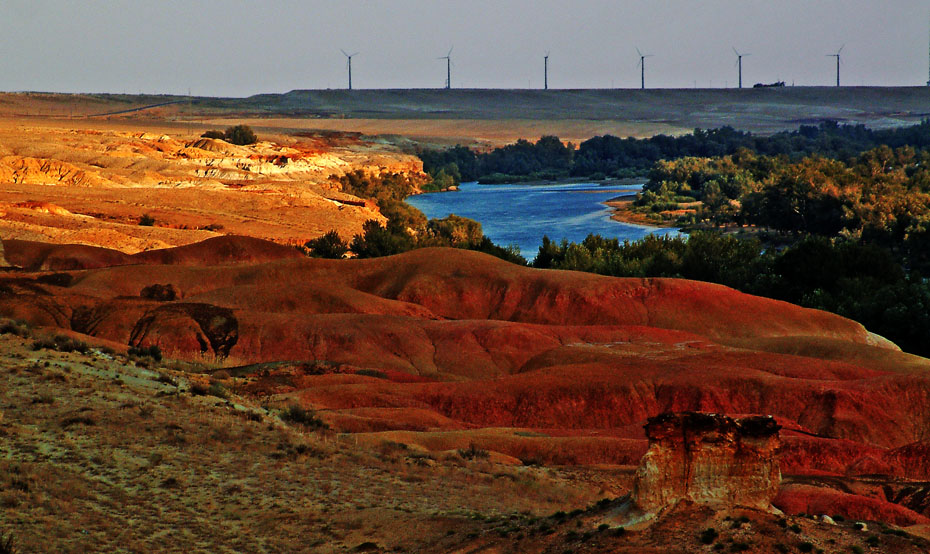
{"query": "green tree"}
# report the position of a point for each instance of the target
(329, 245)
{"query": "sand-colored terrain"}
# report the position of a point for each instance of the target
(90, 182)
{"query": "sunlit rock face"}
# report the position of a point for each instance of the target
(708, 459)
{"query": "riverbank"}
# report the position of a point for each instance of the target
(622, 211)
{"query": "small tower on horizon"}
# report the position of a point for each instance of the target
(349, 58)
(448, 58)
(837, 56)
(928, 80)
(546, 71)
(739, 63)
(642, 68)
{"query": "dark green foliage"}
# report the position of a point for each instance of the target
(146, 220)
(872, 540)
(856, 549)
(299, 415)
(740, 547)
(708, 536)
(61, 343)
(151, 351)
(6, 544)
(473, 453)
(806, 546)
(795, 528)
(214, 134)
(241, 135)
(546, 159)
(77, 420)
(160, 293)
(861, 282)
(329, 245)
(14, 327)
(372, 373)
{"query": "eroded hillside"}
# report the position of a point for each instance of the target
(94, 185)
(443, 349)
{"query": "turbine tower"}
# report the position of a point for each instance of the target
(739, 62)
(546, 71)
(349, 58)
(928, 82)
(642, 68)
(448, 58)
(837, 56)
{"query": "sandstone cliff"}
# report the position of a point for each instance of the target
(708, 459)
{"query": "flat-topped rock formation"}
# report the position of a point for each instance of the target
(708, 459)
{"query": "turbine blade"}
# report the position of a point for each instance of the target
(638, 52)
(840, 50)
(734, 51)
(343, 52)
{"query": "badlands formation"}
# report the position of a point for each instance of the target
(93, 184)
(470, 370)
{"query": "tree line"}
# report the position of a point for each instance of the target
(609, 156)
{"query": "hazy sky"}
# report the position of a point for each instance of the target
(240, 47)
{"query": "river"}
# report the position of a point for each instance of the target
(522, 214)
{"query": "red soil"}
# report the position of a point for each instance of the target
(446, 348)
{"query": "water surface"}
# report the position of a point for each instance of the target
(522, 214)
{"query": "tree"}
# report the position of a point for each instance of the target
(241, 135)
(329, 245)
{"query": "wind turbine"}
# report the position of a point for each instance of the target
(642, 68)
(546, 71)
(448, 58)
(349, 57)
(837, 56)
(739, 62)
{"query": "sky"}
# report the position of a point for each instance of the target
(245, 47)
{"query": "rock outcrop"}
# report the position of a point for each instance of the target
(708, 459)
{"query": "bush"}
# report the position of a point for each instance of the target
(806, 546)
(329, 245)
(473, 453)
(146, 220)
(13, 327)
(241, 135)
(709, 535)
(160, 293)
(6, 544)
(301, 416)
(213, 134)
(152, 351)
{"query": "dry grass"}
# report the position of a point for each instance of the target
(114, 457)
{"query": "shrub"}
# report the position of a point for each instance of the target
(795, 528)
(301, 416)
(806, 546)
(6, 544)
(77, 420)
(473, 453)
(13, 327)
(241, 135)
(152, 351)
(709, 535)
(329, 245)
(161, 293)
(740, 547)
(872, 540)
(218, 390)
(214, 134)
(856, 549)
(67, 344)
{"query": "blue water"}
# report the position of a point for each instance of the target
(522, 214)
